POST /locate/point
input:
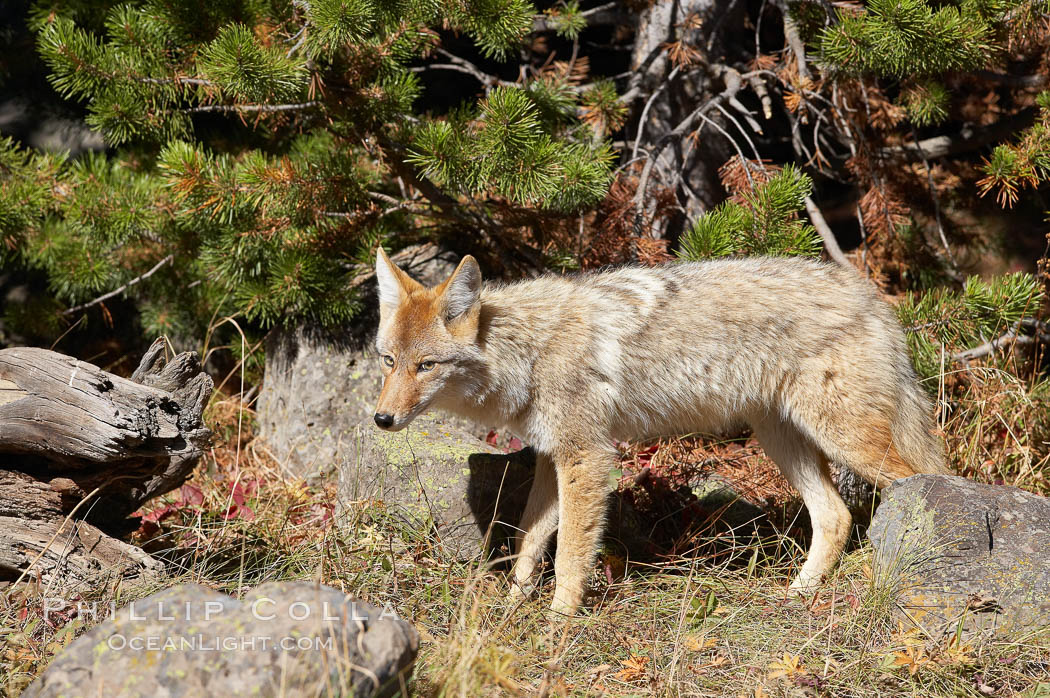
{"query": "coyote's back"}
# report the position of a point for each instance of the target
(803, 352)
(704, 346)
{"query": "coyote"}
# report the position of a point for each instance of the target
(803, 352)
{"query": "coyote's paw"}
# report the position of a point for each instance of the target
(805, 584)
(564, 605)
(521, 591)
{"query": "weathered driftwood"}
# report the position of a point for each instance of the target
(81, 449)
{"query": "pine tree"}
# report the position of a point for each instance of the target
(259, 153)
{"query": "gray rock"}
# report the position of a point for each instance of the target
(282, 639)
(464, 493)
(955, 550)
(37, 125)
(441, 481)
(714, 494)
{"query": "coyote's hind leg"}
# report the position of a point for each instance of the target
(806, 468)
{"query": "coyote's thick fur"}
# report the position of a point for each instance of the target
(803, 352)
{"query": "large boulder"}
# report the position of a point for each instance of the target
(291, 639)
(955, 550)
(467, 494)
(464, 493)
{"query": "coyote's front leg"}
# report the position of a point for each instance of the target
(583, 485)
(538, 522)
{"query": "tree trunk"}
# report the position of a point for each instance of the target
(672, 102)
(80, 450)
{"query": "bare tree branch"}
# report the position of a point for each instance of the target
(826, 234)
(1042, 334)
(733, 82)
(244, 108)
(795, 42)
(936, 200)
(125, 287)
(451, 66)
(464, 66)
(968, 138)
(645, 110)
(177, 81)
(990, 347)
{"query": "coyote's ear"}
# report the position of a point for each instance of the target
(394, 284)
(462, 290)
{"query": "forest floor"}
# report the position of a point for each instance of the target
(719, 622)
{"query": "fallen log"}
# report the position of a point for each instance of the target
(81, 449)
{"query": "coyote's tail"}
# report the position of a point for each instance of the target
(914, 432)
(893, 442)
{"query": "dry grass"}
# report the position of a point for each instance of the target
(713, 617)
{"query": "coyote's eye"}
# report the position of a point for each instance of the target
(388, 360)
(426, 366)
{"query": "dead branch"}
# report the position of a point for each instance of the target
(116, 292)
(733, 84)
(824, 230)
(83, 449)
(249, 108)
(968, 138)
(1040, 334)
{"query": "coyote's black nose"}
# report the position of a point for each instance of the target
(384, 420)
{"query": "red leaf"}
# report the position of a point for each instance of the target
(237, 494)
(238, 511)
(191, 494)
(491, 438)
(321, 512)
(148, 529)
(515, 444)
(161, 513)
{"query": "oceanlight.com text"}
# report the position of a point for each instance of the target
(217, 643)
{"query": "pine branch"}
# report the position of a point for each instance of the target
(603, 15)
